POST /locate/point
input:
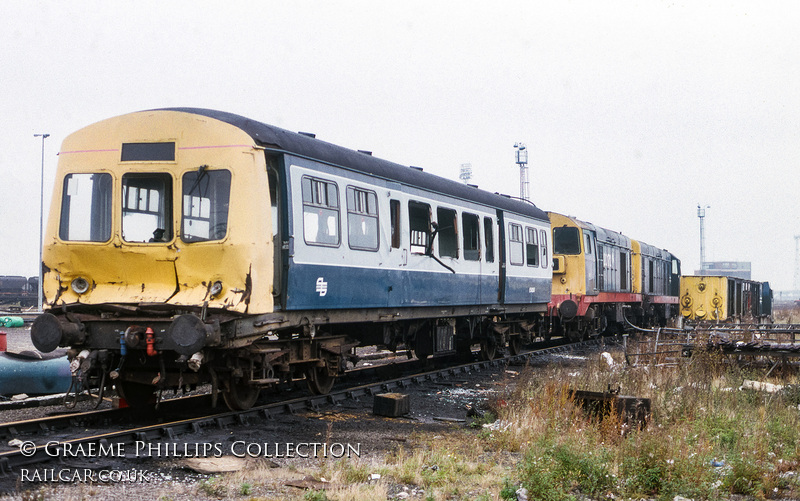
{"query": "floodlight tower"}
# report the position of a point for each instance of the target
(522, 161)
(41, 224)
(701, 213)
(466, 173)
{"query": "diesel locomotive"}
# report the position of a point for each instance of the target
(189, 246)
(600, 277)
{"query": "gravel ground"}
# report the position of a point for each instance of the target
(169, 474)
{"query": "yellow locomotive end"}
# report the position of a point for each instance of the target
(704, 297)
(143, 212)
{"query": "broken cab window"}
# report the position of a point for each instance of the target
(206, 200)
(86, 208)
(146, 207)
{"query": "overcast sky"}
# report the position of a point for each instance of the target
(633, 112)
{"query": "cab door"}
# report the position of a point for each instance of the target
(590, 255)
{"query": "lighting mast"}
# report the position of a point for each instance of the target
(701, 213)
(522, 161)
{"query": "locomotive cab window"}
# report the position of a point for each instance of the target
(531, 247)
(448, 232)
(362, 219)
(86, 208)
(472, 238)
(147, 207)
(566, 240)
(320, 212)
(206, 197)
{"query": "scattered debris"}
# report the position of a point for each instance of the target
(391, 404)
(212, 465)
(632, 411)
(449, 419)
(308, 482)
(747, 384)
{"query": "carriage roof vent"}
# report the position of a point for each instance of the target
(472, 185)
(308, 134)
(416, 168)
(365, 152)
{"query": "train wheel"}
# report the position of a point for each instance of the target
(319, 381)
(488, 348)
(515, 344)
(136, 394)
(240, 395)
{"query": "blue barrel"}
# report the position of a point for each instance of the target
(30, 374)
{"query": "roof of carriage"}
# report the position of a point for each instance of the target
(282, 140)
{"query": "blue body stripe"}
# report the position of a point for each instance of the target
(335, 287)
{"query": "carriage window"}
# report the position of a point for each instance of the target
(206, 196)
(488, 237)
(448, 232)
(515, 244)
(472, 237)
(419, 222)
(566, 240)
(394, 209)
(86, 208)
(543, 243)
(531, 247)
(362, 219)
(320, 212)
(147, 207)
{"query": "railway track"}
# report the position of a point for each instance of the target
(44, 440)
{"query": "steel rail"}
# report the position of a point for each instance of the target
(40, 454)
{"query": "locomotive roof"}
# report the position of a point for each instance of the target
(275, 138)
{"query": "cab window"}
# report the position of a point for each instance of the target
(566, 240)
(86, 208)
(206, 198)
(147, 207)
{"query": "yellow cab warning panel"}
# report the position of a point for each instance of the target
(143, 212)
(704, 297)
(569, 260)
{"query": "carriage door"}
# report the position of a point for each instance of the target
(590, 255)
(278, 256)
